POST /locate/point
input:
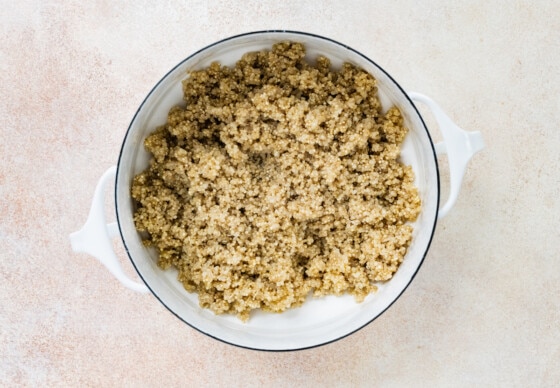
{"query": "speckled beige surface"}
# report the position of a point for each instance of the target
(484, 310)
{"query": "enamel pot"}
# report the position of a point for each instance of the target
(319, 320)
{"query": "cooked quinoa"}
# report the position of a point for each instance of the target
(277, 178)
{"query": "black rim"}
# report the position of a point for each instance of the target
(339, 44)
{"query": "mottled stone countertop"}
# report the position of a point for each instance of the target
(484, 309)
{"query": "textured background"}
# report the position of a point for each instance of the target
(484, 308)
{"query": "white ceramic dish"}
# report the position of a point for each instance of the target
(319, 320)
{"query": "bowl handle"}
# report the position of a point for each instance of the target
(95, 236)
(458, 144)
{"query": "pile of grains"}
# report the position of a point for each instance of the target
(276, 179)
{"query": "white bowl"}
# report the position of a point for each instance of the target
(319, 320)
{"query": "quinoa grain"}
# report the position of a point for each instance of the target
(276, 179)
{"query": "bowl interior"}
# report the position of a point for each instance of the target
(319, 320)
